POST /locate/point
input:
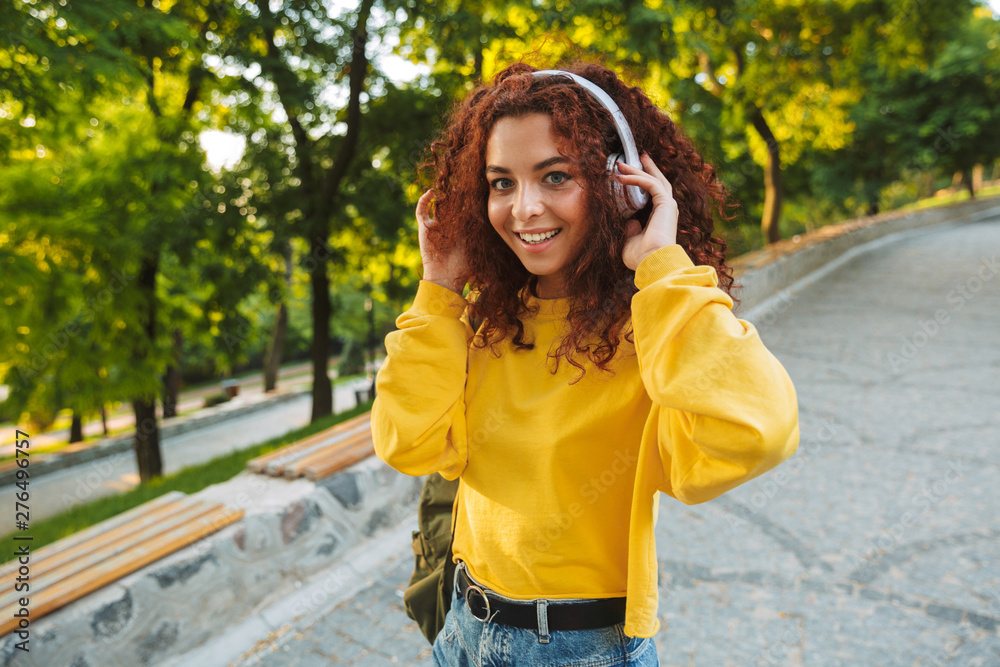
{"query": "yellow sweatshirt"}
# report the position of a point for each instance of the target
(558, 494)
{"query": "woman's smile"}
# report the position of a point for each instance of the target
(537, 201)
(537, 241)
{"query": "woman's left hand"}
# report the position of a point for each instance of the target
(661, 230)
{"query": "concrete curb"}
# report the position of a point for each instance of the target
(765, 273)
(120, 443)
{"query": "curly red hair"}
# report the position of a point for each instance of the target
(601, 285)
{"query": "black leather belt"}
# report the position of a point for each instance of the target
(484, 605)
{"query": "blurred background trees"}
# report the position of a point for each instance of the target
(134, 261)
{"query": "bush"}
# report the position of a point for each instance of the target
(216, 399)
(353, 361)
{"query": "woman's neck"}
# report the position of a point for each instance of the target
(549, 287)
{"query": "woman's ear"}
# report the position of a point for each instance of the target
(632, 227)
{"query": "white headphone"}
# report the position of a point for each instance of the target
(632, 197)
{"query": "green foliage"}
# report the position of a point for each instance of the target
(216, 399)
(101, 107)
(353, 360)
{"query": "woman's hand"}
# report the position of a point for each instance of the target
(661, 230)
(446, 268)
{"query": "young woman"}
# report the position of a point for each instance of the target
(605, 365)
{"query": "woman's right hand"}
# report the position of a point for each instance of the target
(446, 267)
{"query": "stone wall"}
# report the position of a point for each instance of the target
(291, 531)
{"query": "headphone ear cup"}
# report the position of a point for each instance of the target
(625, 207)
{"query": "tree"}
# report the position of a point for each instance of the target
(292, 49)
(122, 200)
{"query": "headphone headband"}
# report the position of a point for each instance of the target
(637, 197)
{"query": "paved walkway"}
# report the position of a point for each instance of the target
(290, 377)
(877, 544)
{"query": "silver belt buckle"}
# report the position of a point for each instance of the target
(472, 587)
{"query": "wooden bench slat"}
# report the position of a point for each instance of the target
(260, 463)
(101, 549)
(113, 533)
(97, 529)
(276, 467)
(87, 581)
(296, 468)
(46, 563)
(322, 469)
(279, 467)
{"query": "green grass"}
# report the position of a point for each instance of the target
(189, 480)
(954, 198)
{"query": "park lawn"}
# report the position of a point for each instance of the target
(188, 480)
(952, 198)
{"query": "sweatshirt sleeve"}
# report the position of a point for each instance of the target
(724, 408)
(418, 418)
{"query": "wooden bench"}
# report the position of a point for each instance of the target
(79, 564)
(321, 454)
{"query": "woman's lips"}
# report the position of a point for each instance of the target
(538, 247)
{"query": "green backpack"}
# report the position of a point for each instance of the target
(428, 597)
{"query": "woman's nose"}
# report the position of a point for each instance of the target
(527, 203)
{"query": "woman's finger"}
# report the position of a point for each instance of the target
(423, 205)
(655, 184)
(647, 182)
(652, 168)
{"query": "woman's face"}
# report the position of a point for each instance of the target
(537, 200)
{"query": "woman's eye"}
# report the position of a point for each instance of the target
(557, 177)
(501, 183)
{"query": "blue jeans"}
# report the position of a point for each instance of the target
(465, 641)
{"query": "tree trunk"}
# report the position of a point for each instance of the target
(147, 429)
(321, 189)
(773, 189)
(147, 440)
(172, 378)
(322, 392)
(956, 181)
(873, 206)
(76, 428)
(967, 182)
(977, 178)
(104, 418)
(272, 362)
(927, 185)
